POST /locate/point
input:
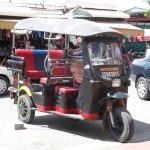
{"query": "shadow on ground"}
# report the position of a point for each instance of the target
(89, 129)
(5, 96)
(141, 132)
(85, 128)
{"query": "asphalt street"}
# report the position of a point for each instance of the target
(54, 132)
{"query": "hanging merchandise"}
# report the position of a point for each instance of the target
(8, 34)
(5, 43)
(0, 34)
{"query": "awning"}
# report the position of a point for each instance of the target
(7, 24)
(121, 26)
(108, 14)
(47, 13)
(79, 12)
(16, 11)
(125, 28)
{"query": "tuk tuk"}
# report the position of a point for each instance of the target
(88, 79)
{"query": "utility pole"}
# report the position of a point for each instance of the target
(43, 3)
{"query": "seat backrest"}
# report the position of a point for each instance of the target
(56, 54)
(34, 58)
(63, 70)
(35, 61)
(28, 56)
(39, 57)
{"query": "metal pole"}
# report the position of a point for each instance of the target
(43, 3)
(48, 60)
(13, 43)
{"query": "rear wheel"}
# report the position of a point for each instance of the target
(142, 89)
(124, 125)
(25, 113)
(4, 84)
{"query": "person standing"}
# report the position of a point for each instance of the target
(124, 50)
(117, 54)
(59, 43)
(148, 50)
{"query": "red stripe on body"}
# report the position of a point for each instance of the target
(67, 111)
(90, 116)
(24, 82)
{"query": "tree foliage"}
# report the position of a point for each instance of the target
(148, 1)
(147, 14)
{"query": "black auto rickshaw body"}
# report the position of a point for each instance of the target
(89, 80)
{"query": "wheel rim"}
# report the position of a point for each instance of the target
(119, 126)
(23, 109)
(141, 88)
(3, 86)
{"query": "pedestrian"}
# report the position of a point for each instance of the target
(148, 50)
(117, 54)
(124, 50)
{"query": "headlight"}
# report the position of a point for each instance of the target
(116, 83)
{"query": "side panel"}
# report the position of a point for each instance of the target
(46, 100)
(91, 95)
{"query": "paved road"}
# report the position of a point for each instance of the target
(54, 132)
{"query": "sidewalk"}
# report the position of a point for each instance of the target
(132, 146)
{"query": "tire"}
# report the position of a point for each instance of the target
(4, 84)
(124, 125)
(142, 89)
(25, 114)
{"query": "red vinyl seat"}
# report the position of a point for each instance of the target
(34, 60)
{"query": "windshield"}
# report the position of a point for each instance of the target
(102, 53)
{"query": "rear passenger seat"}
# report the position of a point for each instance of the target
(34, 60)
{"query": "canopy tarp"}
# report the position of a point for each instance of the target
(64, 26)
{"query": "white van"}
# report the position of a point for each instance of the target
(6, 79)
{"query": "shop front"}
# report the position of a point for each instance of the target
(137, 43)
(6, 38)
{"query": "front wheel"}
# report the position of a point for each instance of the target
(124, 125)
(25, 113)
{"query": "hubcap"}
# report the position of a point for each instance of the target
(3, 86)
(142, 88)
(23, 109)
(119, 126)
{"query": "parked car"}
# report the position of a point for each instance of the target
(140, 75)
(6, 79)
